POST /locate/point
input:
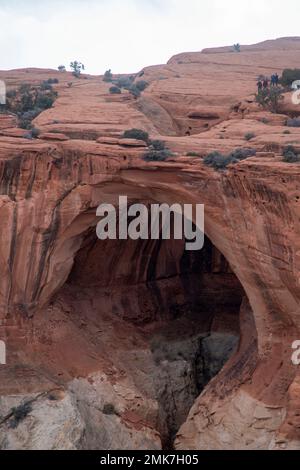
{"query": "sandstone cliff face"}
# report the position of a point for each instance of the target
(80, 316)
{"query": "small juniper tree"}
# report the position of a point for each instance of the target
(77, 68)
(115, 90)
(237, 47)
(61, 68)
(108, 76)
(270, 98)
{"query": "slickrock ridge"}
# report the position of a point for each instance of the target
(124, 329)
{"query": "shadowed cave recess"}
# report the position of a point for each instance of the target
(184, 304)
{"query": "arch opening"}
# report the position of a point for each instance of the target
(178, 310)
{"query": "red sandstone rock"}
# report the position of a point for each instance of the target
(49, 195)
(53, 136)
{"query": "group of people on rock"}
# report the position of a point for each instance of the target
(263, 84)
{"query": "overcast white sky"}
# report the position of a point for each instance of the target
(127, 35)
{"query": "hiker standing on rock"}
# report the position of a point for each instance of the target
(266, 83)
(273, 80)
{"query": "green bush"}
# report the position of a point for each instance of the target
(290, 155)
(249, 136)
(138, 134)
(108, 76)
(237, 47)
(61, 68)
(157, 145)
(193, 154)
(158, 152)
(270, 98)
(77, 68)
(157, 155)
(114, 90)
(28, 102)
(35, 132)
(52, 81)
(45, 85)
(44, 101)
(11, 94)
(142, 85)
(264, 120)
(134, 90)
(109, 409)
(19, 413)
(289, 76)
(295, 122)
(124, 82)
(219, 161)
(243, 153)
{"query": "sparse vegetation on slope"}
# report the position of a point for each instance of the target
(218, 161)
(289, 76)
(138, 134)
(28, 102)
(290, 155)
(270, 98)
(77, 68)
(295, 122)
(158, 152)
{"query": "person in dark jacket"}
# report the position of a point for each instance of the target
(259, 86)
(266, 83)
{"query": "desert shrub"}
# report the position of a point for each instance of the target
(219, 161)
(142, 85)
(44, 101)
(28, 102)
(115, 90)
(158, 152)
(35, 132)
(19, 413)
(70, 84)
(249, 136)
(26, 118)
(109, 409)
(138, 134)
(290, 155)
(25, 87)
(11, 94)
(289, 76)
(193, 154)
(52, 81)
(295, 122)
(25, 124)
(157, 155)
(237, 47)
(242, 153)
(77, 68)
(157, 145)
(134, 90)
(61, 68)
(287, 132)
(124, 82)
(270, 98)
(45, 85)
(264, 120)
(108, 76)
